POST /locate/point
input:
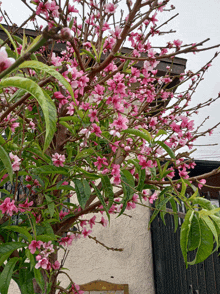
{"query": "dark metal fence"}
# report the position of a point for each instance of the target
(170, 273)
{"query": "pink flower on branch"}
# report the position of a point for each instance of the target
(5, 62)
(34, 245)
(201, 183)
(58, 159)
(15, 161)
(110, 8)
(8, 206)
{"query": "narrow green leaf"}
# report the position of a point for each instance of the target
(51, 169)
(11, 40)
(50, 204)
(166, 148)
(5, 256)
(96, 54)
(212, 228)
(101, 199)
(206, 244)
(88, 53)
(26, 281)
(6, 247)
(83, 191)
(30, 256)
(51, 120)
(175, 216)
(88, 175)
(7, 162)
(21, 230)
(50, 71)
(184, 234)
(39, 278)
(108, 189)
(141, 173)
(84, 153)
(160, 132)
(46, 238)
(137, 133)
(194, 237)
(159, 206)
(45, 102)
(6, 275)
(204, 203)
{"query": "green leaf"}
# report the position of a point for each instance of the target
(141, 173)
(89, 175)
(84, 153)
(33, 43)
(50, 71)
(175, 216)
(166, 148)
(5, 256)
(204, 203)
(88, 53)
(206, 244)
(83, 191)
(50, 205)
(101, 199)
(108, 189)
(160, 205)
(6, 275)
(184, 234)
(10, 38)
(96, 54)
(11, 246)
(21, 230)
(7, 162)
(39, 278)
(30, 256)
(26, 281)
(194, 237)
(51, 120)
(46, 238)
(160, 132)
(45, 102)
(127, 183)
(212, 228)
(50, 169)
(138, 133)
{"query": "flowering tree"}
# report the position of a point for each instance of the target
(96, 123)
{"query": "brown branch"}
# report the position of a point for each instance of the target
(108, 248)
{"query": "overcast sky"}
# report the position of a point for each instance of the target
(197, 21)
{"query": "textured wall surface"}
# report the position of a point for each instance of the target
(89, 261)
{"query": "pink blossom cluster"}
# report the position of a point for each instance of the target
(45, 249)
(8, 206)
(58, 159)
(15, 161)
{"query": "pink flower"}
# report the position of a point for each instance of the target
(85, 232)
(96, 129)
(15, 161)
(25, 205)
(100, 162)
(153, 197)
(201, 183)
(58, 159)
(93, 115)
(34, 245)
(76, 289)
(43, 263)
(104, 222)
(5, 62)
(110, 8)
(8, 206)
(92, 221)
(56, 265)
(120, 123)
